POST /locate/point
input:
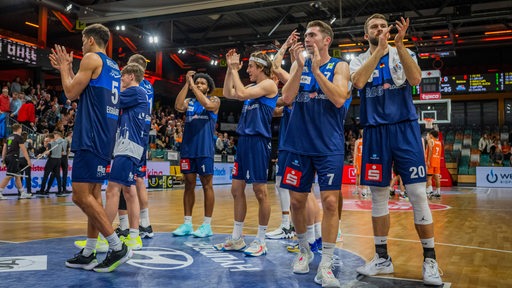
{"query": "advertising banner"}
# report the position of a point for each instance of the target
(499, 177)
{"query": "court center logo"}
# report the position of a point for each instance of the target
(492, 177)
(158, 258)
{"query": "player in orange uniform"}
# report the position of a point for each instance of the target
(357, 156)
(434, 163)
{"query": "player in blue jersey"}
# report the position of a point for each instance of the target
(384, 76)
(130, 145)
(96, 85)
(197, 148)
(253, 151)
(145, 229)
(318, 88)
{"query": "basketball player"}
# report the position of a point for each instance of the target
(13, 145)
(384, 76)
(97, 85)
(198, 148)
(253, 151)
(145, 229)
(434, 163)
(357, 155)
(315, 142)
(131, 141)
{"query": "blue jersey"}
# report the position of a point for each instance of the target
(132, 135)
(383, 102)
(316, 125)
(198, 131)
(149, 92)
(283, 125)
(98, 112)
(256, 117)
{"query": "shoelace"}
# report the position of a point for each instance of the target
(432, 269)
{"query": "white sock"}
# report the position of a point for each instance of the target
(90, 245)
(261, 233)
(114, 242)
(318, 230)
(123, 222)
(188, 220)
(438, 191)
(380, 240)
(134, 233)
(310, 234)
(427, 243)
(327, 253)
(303, 242)
(285, 220)
(144, 217)
(237, 230)
(207, 220)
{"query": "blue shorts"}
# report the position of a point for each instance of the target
(299, 172)
(281, 157)
(201, 165)
(384, 144)
(142, 167)
(252, 159)
(123, 171)
(89, 167)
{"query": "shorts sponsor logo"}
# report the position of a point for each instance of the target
(373, 172)
(101, 171)
(292, 177)
(185, 164)
(235, 169)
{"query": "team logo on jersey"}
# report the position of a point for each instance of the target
(373, 172)
(382, 65)
(185, 164)
(235, 169)
(292, 177)
(330, 65)
(305, 79)
(375, 73)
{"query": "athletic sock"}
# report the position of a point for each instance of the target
(188, 220)
(428, 248)
(134, 233)
(285, 220)
(237, 230)
(318, 230)
(123, 222)
(207, 220)
(381, 246)
(90, 246)
(327, 253)
(144, 217)
(114, 242)
(261, 233)
(310, 234)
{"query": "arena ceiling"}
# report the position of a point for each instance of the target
(207, 28)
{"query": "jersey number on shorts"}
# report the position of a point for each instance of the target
(417, 172)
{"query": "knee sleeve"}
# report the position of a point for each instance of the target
(418, 197)
(284, 195)
(380, 196)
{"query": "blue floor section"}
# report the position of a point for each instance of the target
(167, 261)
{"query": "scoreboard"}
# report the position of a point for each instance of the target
(476, 83)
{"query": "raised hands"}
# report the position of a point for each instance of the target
(60, 59)
(233, 60)
(292, 39)
(190, 77)
(297, 51)
(402, 27)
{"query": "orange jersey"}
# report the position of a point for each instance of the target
(358, 155)
(435, 158)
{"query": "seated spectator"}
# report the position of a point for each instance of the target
(484, 144)
(498, 156)
(231, 149)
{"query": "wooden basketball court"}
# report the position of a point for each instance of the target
(472, 232)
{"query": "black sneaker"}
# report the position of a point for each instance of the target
(121, 232)
(114, 259)
(146, 232)
(82, 262)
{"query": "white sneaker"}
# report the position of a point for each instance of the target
(231, 245)
(25, 195)
(256, 248)
(301, 262)
(325, 277)
(431, 274)
(2, 197)
(376, 266)
(281, 233)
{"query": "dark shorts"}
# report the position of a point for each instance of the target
(395, 143)
(142, 167)
(252, 159)
(201, 165)
(281, 158)
(299, 172)
(12, 163)
(89, 167)
(123, 171)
